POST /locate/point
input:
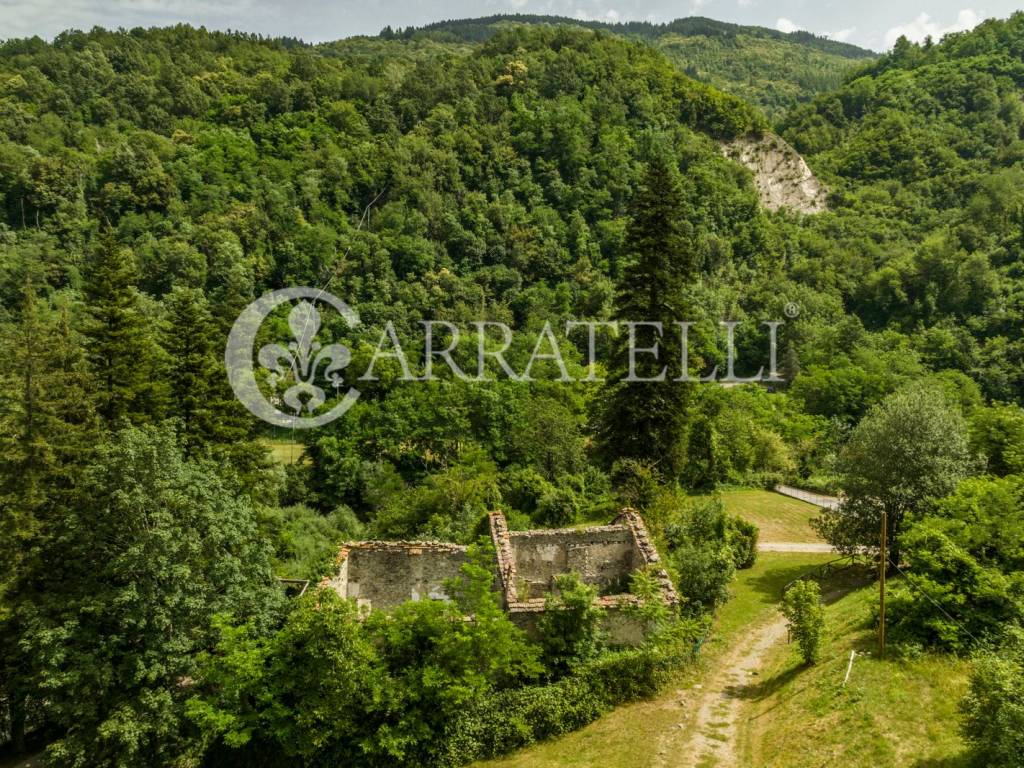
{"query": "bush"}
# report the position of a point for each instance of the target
(557, 507)
(765, 480)
(802, 607)
(994, 707)
(509, 720)
(522, 488)
(698, 550)
(742, 537)
(306, 542)
(977, 602)
(636, 483)
(570, 628)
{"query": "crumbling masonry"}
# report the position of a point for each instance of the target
(383, 574)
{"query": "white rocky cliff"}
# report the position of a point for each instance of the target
(781, 176)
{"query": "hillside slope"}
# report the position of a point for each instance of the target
(771, 69)
(925, 158)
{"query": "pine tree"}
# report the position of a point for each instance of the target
(187, 340)
(211, 421)
(646, 420)
(47, 425)
(46, 430)
(121, 348)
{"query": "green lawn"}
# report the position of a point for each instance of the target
(285, 451)
(628, 737)
(778, 517)
(899, 714)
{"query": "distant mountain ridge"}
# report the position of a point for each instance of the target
(773, 70)
(483, 28)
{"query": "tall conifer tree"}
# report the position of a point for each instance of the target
(646, 420)
(46, 428)
(120, 342)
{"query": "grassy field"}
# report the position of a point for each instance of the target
(778, 517)
(629, 736)
(899, 714)
(285, 451)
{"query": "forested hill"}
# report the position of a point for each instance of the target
(923, 153)
(772, 69)
(484, 28)
(155, 182)
(185, 141)
(173, 175)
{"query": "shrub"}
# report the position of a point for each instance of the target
(976, 602)
(557, 507)
(802, 607)
(698, 550)
(994, 706)
(766, 480)
(636, 483)
(966, 556)
(570, 627)
(496, 724)
(742, 537)
(522, 488)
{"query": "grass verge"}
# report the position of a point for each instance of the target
(892, 712)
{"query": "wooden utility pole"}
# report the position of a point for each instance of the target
(883, 562)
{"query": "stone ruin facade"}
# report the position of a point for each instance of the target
(379, 575)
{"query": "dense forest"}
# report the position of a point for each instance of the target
(154, 182)
(771, 69)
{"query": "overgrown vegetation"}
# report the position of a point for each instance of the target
(432, 683)
(154, 182)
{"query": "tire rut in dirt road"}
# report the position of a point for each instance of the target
(710, 740)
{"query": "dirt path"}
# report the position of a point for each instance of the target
(794, 546)
(710, 738)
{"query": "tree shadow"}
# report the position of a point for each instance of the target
(770, 583)
(763, 689)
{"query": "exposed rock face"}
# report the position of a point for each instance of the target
(781, 176)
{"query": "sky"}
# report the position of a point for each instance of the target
(874, 24)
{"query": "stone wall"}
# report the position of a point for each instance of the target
(602, 557)
(384, 574)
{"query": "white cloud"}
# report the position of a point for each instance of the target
(786, 26)
(744, 3)
(923, 26)
(841, 35)
(518, 3)
(611, 15)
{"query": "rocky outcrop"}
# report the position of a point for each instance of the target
(782, 178)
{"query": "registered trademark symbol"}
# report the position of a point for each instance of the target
(792, 309)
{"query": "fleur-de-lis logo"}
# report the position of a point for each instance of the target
(302, 359)
(298, 364)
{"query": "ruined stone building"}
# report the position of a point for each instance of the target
(384, 574)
